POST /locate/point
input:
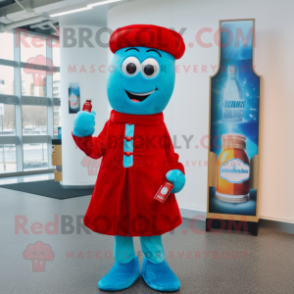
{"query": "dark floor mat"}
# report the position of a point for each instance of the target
(48, 188)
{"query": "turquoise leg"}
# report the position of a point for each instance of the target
(152, 248)
(155, 270)
(123, 249)
(125, 270)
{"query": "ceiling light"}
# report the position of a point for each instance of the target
(89, 6)
(71, 11)
(102, 3)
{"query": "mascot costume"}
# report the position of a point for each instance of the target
(138, 156)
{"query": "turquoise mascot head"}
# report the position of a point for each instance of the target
(141, 75)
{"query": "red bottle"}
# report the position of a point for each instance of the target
(164, 191)
(87, 106)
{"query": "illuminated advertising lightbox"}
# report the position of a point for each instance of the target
(234, 127)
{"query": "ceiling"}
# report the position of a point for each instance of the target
(32, 14)
(95, 16)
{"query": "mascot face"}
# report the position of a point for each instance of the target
(141, 80)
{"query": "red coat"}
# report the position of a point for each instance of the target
(122, 202)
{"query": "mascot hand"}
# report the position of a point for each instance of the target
(177, 178)
(84, 124)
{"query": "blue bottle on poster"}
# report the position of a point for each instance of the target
(233, 104)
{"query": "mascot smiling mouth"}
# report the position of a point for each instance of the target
(139, 97)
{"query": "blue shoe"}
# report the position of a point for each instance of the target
(159, 276)
(121, 276)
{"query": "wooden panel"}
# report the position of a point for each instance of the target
(57, 176)
(212, 165)
(254, 172)
(56, 155)
(235, 217)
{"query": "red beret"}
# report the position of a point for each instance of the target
(150, 36)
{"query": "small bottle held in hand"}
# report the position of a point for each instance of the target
(164, 191)
(87, 106)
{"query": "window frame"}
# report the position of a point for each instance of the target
(18, 100)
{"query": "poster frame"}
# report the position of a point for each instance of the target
(212, 165)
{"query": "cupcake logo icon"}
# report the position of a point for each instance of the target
(92, 165)
(39, 66)
(39, 253)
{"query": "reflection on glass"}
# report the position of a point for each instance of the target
(7, 158)
(7, 119)
(56, 52)
(56, 85)
(33, 82)
(57, 119)
(35, 156)
(6, 79)
(31, 46)
(38, 177)
(7, 51)
(34, 120)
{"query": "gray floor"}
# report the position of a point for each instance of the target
(268, 266)
(28, 178)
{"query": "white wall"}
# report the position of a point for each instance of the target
(93, 86)
(187, 113)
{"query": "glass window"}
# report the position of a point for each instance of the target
(35, 156)
(57, 119)
(7, 158)
(7, 51)
(33, 82)
(33, 52)
(56, 52)
(32, 47)
(7, 119)
(56, 85)
(34, 120)
(6, 80)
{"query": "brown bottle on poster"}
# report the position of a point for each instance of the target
(233, 170)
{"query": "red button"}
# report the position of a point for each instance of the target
(128, 153)
(128, 138)
(129, 123)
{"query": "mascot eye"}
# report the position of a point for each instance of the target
(150, 68)
(131, 66)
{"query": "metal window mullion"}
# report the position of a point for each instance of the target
(35, 139)
(7, 140)
(8, 99)
(50, 108)
(18, 107)
(7, 62)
